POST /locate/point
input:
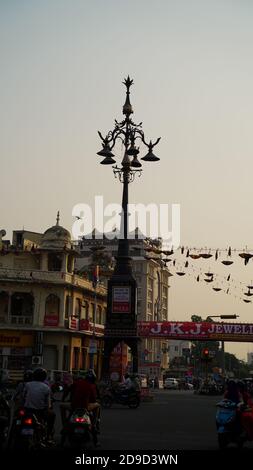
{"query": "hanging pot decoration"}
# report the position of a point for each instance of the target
(180, 273)
(227, 262)
(249, 294)
(168, 253)
(217, 289)
(205, 255)
(246, 301)
(245, 256)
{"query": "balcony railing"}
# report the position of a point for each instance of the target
(49, 276)
(23, 320)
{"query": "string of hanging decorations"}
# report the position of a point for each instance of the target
(224, 284)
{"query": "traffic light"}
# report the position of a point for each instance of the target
(205, 354)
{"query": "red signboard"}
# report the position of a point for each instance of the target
(121, 299)
(73, 323)
(197, 331)
(86, 325)
(51, 320)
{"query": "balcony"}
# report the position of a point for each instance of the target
(16, 320)
(21, 320)
(56, 277)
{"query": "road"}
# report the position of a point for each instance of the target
(175, 420)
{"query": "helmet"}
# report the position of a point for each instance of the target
(28, 375)
(40, 375)
(90, 375)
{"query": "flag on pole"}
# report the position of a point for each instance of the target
(96, 276)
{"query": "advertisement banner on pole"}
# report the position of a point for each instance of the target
(121, 299)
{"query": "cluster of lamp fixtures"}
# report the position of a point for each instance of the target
(126, 131)
(132, 151)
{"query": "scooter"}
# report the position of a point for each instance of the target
(228, 424)
(79, 431)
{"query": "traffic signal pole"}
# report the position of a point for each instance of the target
(223, 358)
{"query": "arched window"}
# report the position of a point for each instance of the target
(52, 310)
(78, 307)
(69, 264)
(4, 300)
(67, 307)
(104, 316)
(85, 310)
(99, 315)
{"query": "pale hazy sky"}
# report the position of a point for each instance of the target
(62, 64)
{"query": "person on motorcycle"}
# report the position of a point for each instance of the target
(37, 400)
(246, 411)
(83, 394)
(232, 392)
(18, 396)
(128, 383)
(94, 406)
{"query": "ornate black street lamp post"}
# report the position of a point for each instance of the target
(121, 321)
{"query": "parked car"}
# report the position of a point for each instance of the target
(171, 383)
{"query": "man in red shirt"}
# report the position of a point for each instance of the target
(83, 394)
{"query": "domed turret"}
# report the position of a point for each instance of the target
(56, 237)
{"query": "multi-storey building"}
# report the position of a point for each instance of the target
(178, 349)
(153, 286)
(48, 314)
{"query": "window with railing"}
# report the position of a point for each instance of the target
(22, 306)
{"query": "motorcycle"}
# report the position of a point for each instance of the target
(228, 424)
(28, 431)
(5, 417)
(80, 430)
(130, 398)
